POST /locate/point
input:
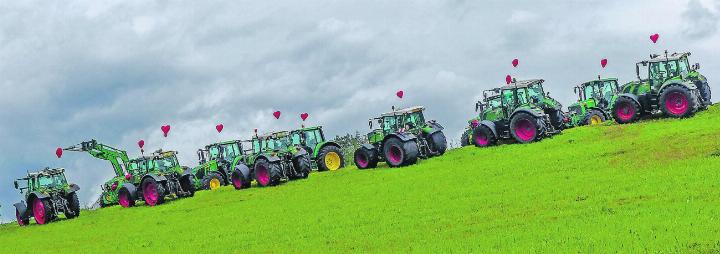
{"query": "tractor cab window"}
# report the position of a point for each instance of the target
(256, 146)
(658, 71)
(413, 120)
(508, 99)
(575, 109)
(389, 123)
(494, 103)
(609, 88)
(591, 90)
(165, 164)
(51, 181)
(143, 166)
(683, 65)
(134, 168)
(214, 152)
(295, 139)
(311, 138)
(536, 92)
(230, 151)
(522, 96)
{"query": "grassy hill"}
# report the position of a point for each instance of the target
(647, 187)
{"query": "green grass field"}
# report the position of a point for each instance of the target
(647, 187)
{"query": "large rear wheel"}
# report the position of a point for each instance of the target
(125, 199)
(677, 101)
(525, 127)
(626, 110)
(239, 181)
(153, 192)
(437, 143)
(41, 211)
(705, 93)
(398, 153)
(330, 157)
(366, 158)
(267, 173)
(302, 167)
(465, 138)
(20, 219)
(483, 136)
(73, 206)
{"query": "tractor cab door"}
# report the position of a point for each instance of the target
(312, 139)
(658, 74)
(389, 124)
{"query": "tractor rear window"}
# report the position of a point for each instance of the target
(51, 180)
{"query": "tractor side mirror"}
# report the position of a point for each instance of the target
(696, 66)
(370, 124)
(16, 184)
(547, 94)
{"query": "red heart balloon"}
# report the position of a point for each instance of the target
(58, 152)
(165, 129)
(515, 62)
(304, 116)
(603, 62)
(141, 143)
(400, 94)
(654, 38)
(276, 114)
(508, 79)
(219, 127)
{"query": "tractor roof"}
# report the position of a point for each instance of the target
(157, 154)
(404, 111)
(310, 128)
(224, 143)
(46, 171)
(522, 83)
(274, 134)
(602, 79)
(654, 58)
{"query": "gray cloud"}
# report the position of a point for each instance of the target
(118, 70)
(699, 21)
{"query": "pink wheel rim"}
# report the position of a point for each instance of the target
(394, 154)
(124, 200)
(481, 139)
(625, 111)
(150, 194)
(525, 130)
(39, 211)
(19, 219)
(361, 160)
(677, 103)
(262, 175)
(237, 182)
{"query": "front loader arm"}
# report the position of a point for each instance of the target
(118, 158)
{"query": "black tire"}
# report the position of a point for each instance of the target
(705, 93)
(398, 153)
(626, 110)
(593, 113)
(302, 167)
(263, 168)
(483, 136)
(20, 219)
(73, 206)
(465, 139)
(366, 158)
(208, 179)
(242, 181)
(526, 128)
(131, 200)
(329, 149)
(186, 183)
(556, 119)
(678, 101)
(437, 143)
(158, 187)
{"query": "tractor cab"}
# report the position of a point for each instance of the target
(490, 108)
(524, 93)
(663, 68)
(308, 137)
(402, 120)
(226, 151)
(276, 142)
(44, 181)
(163, 162)
(597, 93)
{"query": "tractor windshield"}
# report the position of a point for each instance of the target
(413, 120)
(277, 143)
(166, 164)
(230, 151)
(536, 92)
(663, 70)
(389, 123)
(493, 103)
(51, 181)
(313, 137)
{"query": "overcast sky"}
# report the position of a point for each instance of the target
(118, 70)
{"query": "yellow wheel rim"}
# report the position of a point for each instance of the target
(214, 183)
(595, 120)
(332, 161)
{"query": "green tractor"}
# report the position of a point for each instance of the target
(491, 108)
(277, 159)
(671, 86)
(149, 178)
(49, 194)
(403, 136)
(326, 155)
(595, 99)
(525, 114)
(223, 163)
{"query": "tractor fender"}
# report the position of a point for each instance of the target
(367, 147)
(434, 127)
(155, 177)
(243, 169)
(37, 194)
(22, 209)
(490, 125)
(404, 137)
(300, 152)
(689, 85)
(132, 190)
(269, 158)
(604, 112)
(630, 96)
(73, 188)
(531, 112)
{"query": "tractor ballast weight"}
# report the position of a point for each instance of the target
(277, 159)
(326, 155)
(672, 87)
(524, 114)
(49, 194)
(402, 138)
